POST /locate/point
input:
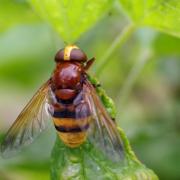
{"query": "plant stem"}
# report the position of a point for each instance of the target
(117, 43)
(144, 56)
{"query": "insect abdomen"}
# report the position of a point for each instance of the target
(72, 131)
(72, 120)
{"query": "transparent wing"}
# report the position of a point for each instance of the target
(30, 122)
(103, 132)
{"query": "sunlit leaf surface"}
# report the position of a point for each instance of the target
(162, 14)
(71, 18)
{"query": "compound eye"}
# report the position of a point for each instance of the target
(59, 56)
(78, 55)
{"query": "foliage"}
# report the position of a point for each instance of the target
(71, 18)
(161, 14)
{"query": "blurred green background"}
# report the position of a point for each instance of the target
(142, 77)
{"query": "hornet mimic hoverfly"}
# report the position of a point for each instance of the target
(72, 102)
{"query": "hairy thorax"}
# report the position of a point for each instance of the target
(67, 80)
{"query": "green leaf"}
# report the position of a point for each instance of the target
(86, 162)
(71, 18)
(15, 12)
(162, 14)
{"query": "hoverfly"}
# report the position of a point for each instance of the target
(75, 107)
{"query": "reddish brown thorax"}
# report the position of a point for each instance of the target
(68, 75)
